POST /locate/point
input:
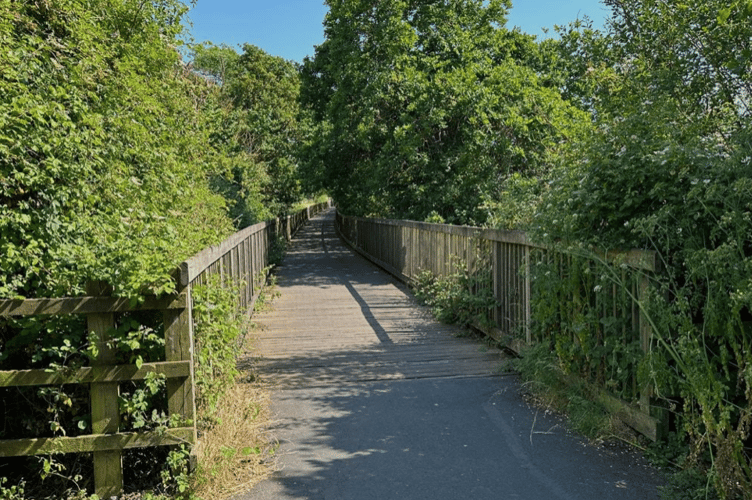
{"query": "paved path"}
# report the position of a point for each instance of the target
(375, 400)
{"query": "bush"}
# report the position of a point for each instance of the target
(463, 297)
(542, 374)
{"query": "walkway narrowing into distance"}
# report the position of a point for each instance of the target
(341, 319)
(373, 399)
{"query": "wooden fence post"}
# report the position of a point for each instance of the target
(528, 298)
(105, 414)
(179, 347)
(645, 336)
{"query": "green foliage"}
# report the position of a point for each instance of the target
(175, 475)
(667, 169)
(582, 308)
(689, 484)
(140, 404)
(543, 376)
(15, 492)
(277, 249)
(515, 203)
(215, 61)
(427, 106)
(464, 296)
(103, 163)
(670, 452)
(259, 128)
(217, 334)
(36, 343)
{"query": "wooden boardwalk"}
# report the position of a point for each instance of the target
(376, 400)
(339, 319)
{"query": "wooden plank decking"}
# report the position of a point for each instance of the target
(339, 319)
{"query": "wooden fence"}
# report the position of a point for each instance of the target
(407, 248)
(510, 260)
(241, 259)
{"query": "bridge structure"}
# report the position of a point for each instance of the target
(372, 398)
(340, 319)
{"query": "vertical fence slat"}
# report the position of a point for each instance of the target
(105, 414)
(179, 347)
(528, 297)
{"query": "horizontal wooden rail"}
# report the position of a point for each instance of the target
(646, 260)
(96, 442)
(196, 265)
(517, 237)
(89, 374)
(87, 305)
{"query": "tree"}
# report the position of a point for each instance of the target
(429, 107)
(668, 169)
(215, 61)
(259, 127)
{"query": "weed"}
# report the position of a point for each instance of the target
(689, 484)
(15, 492)
(543, 377)
(238, 453)
(670, 452)
(463, 297)
(277, 249)
(268, 293)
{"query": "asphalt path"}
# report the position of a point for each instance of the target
(417, 429)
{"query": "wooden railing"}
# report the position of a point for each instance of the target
(407, 248)
(103, 378)
(241, 259)
(510, 259)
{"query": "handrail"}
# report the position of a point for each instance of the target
(240, 258)
(408, 248)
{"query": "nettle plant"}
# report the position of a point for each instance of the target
(667, 168)
(464, 296)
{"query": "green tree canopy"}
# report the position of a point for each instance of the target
(104, 150)
(428, 106)
(259, 127)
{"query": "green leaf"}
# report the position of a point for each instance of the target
(723, 15)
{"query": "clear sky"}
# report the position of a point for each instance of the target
(291, 28)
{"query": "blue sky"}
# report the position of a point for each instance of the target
(291, 28)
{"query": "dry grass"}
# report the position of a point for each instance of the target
(238, 451)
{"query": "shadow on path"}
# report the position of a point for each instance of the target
(376, 401)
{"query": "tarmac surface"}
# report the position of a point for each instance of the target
(373, 399)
